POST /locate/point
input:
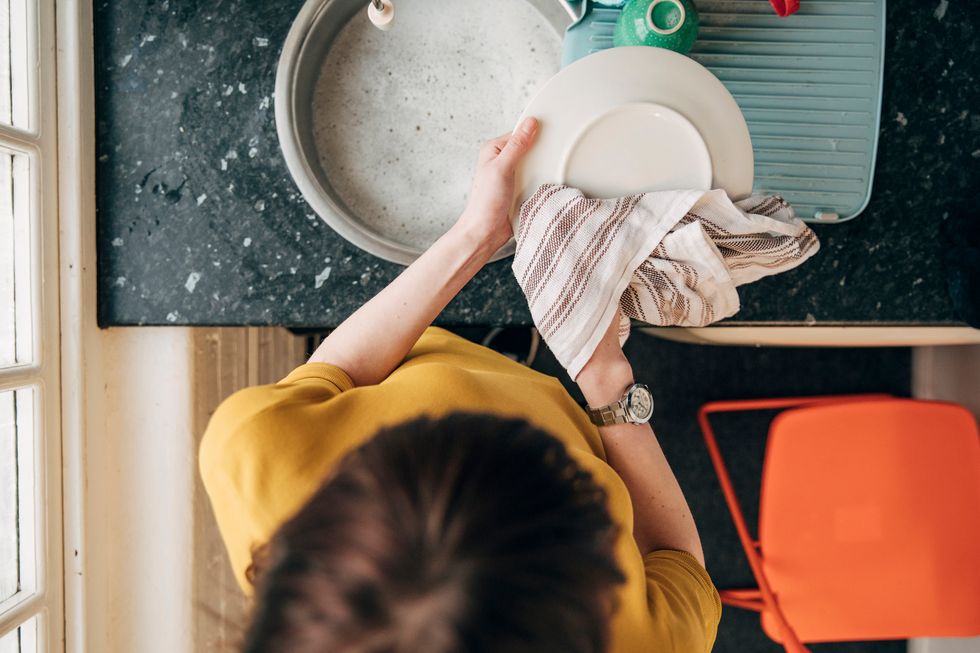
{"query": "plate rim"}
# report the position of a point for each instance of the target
(732, 142)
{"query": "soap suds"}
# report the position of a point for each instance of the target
(399, 119)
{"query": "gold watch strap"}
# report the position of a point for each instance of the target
(614, 413)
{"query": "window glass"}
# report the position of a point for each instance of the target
(21, 640)
(16, 341)
(14, 92)
(10, 518)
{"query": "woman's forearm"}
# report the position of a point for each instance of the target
(661, 516)
(373, 341)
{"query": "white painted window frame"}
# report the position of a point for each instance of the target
(81, 340)
(42, 591)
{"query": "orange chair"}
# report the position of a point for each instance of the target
(869, 519)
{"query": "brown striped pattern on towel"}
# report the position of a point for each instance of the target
(664, 258)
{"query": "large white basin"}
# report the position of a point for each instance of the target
(380, 130)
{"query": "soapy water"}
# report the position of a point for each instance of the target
(399, 116)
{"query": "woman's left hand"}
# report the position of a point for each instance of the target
(487, 213)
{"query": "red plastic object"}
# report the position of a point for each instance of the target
(785, 7)
(869, 520)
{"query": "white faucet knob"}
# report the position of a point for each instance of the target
(382, 17)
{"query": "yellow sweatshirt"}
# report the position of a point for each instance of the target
(268, 448)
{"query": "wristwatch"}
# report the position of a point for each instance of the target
(636, 407)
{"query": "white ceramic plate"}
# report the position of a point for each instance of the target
(616, 93)
(652, 148)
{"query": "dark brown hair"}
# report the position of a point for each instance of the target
(467, 534)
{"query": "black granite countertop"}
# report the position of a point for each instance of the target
(199, 222)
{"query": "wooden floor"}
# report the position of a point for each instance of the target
(227, 360)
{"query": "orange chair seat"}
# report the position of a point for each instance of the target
(869, 520)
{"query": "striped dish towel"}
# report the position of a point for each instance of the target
(669, 258)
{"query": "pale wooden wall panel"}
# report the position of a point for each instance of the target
(227, 360)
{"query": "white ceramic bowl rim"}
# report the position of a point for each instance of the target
(659, 30)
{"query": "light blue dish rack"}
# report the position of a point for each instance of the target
(809, 86)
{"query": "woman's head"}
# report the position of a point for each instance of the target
(465, 534)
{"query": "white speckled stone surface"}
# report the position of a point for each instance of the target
(399, 115)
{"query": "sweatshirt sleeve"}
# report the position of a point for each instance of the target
(684, 604)
(266, 450)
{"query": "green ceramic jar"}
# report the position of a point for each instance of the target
(669, 24)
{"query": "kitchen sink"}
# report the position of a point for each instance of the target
(380, 129)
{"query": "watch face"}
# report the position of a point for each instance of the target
(641, 403)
